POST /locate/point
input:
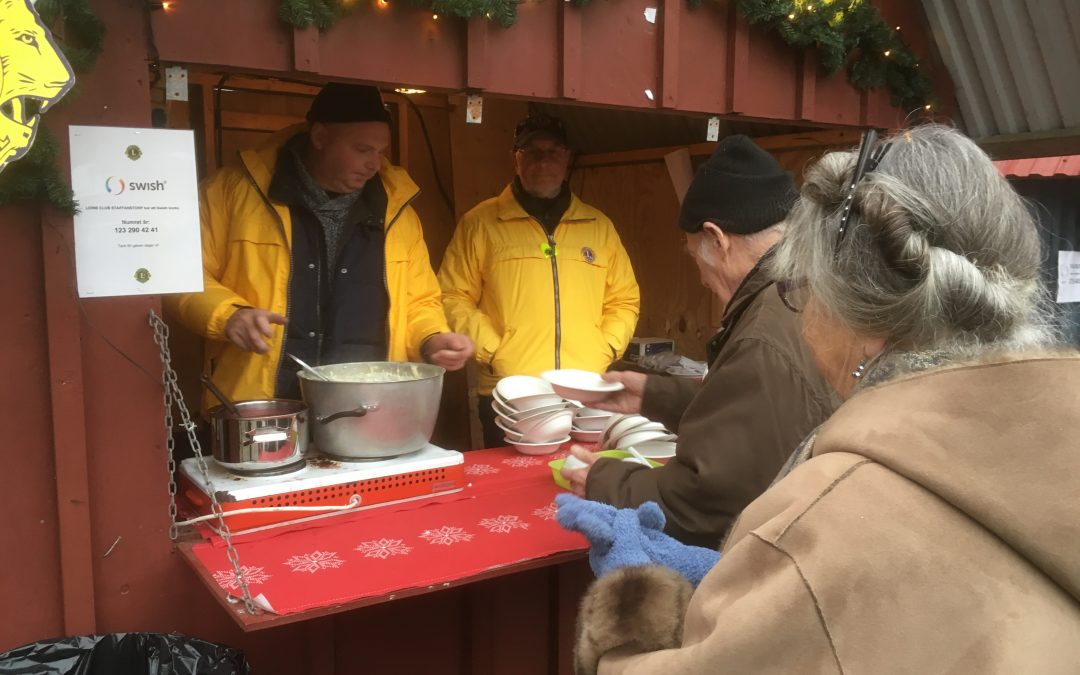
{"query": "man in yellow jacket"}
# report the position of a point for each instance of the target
(310, 247)
(536, 277)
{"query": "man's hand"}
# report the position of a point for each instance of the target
(449, 350)
(578, 477)
(628, 400)
(247, 327)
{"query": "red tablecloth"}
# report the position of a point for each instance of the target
(507, 515)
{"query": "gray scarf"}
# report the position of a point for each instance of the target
(331, 211)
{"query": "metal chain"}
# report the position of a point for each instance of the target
(174, 395)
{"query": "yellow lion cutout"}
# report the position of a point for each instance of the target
(33, 75)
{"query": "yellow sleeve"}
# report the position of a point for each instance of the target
(207, 312)
(622, 299)
(461, 278)
(424, 314)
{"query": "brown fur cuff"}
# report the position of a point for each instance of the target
(638, 608)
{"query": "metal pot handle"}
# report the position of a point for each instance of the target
(270, 434)
(359, 412)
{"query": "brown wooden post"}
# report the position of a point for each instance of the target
(68, 424)
(570, 42)
(306, 49)
(669, 54)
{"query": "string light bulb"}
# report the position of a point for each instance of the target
(928, 106)
(382, 4)
(887, 53)
(791, 17)
(435, 17)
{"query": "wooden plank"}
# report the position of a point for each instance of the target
(249, 623)
(780, 142)
(306, 49)
(256, 121)
(681, 171)
(1032, 144)
(243, 83)
(570, 43)
(669, 54)
(65, 328)
(476, 54)
(738, 62)
(807, 87)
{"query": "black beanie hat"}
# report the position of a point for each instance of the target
(741, 188)
(348, 103)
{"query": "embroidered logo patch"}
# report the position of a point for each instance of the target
(588, 255)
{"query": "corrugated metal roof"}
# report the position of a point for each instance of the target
(1044, 167)
(1015, 63)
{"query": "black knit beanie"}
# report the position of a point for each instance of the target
(741, 188)
(348, 103)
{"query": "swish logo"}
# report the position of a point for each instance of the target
(116, 186)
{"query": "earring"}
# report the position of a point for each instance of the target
(858, 372)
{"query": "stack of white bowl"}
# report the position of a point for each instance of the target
(535, 419)
(589, 424)
(650, 439)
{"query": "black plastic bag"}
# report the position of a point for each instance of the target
(124, 654)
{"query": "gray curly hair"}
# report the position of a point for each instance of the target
(941, 255)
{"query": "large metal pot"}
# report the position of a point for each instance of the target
(372, 410)
(266, 438)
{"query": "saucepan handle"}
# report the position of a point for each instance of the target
(359, 412)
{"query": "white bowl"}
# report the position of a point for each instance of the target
(502, 423)
(656, 449)
(589, 419)
(586, 436)
(634, 437)
(547, 428)
(625, 423)
(502, 409)
(538, 448)
(525, 403)
(517, 386)
(528, 414)
(580, 385)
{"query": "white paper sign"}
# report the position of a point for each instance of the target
(137, 232)
(1068, 276)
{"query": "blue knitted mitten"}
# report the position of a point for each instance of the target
(628, 537)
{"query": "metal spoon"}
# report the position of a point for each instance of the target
(219, 395)
(314, 373)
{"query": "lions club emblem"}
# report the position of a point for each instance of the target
(588, 255)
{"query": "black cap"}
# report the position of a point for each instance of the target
(534, 125)
(740, 188)
(348, 103)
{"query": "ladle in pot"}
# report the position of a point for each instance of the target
(314, 373)
(219, 395)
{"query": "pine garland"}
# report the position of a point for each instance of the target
(847, 32)
(35, 175)
(844, 32)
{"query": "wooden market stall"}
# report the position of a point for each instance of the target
(85, 492)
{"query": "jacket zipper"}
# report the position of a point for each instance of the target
(555, 283)
(385, 281)
(288, 282)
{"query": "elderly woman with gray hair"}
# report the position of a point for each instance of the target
(930, 525)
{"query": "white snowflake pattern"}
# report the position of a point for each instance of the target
(480, 469)
(252, 575)
(522, 462)
(503, 524)
(446, 535)
(314, 562)
(546, 512)
(383, 548)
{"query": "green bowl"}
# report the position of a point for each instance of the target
(557, 465)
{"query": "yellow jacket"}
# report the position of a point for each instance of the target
(246, 241)
(527, 315)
